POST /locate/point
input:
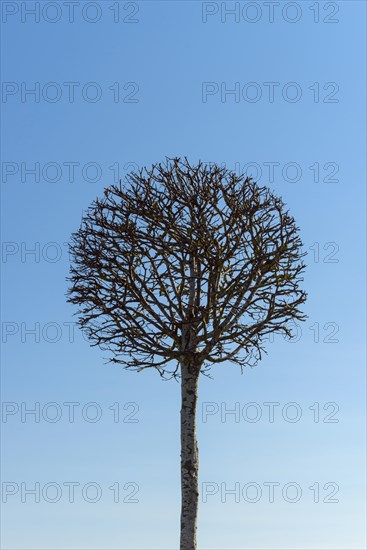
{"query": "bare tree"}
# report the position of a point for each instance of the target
(181, 268)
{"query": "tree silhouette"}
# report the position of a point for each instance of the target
(180, 268)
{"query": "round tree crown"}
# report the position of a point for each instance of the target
(186, 263)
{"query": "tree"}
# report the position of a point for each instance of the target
(179, 269)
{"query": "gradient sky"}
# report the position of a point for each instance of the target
(157, 55)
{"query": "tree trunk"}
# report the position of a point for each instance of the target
(189, 456)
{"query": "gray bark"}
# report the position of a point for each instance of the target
(189, 456)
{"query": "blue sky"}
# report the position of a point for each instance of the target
(162, 67)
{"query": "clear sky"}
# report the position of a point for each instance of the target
(120, 84)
